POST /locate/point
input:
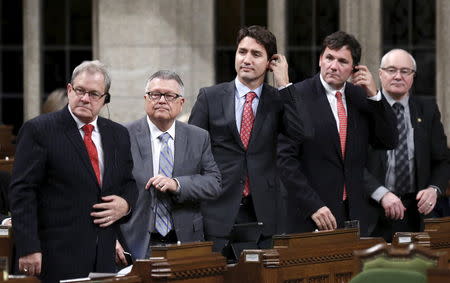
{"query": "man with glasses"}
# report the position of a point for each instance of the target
(71, 184)
(405, 182)
(174, 170)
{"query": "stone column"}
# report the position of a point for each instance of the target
(276, 10)
(442, 63)
(32, 26)
(362, 18)
(137, 38)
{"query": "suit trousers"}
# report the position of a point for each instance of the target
(410, 223)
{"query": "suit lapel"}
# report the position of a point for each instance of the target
(144, 144)
(180, 147)
(261, 112)
(74, 136)
(109, 151)
(326, 115)
(228, 104)
(417, 118)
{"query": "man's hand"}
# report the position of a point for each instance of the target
(279, 66)
(364, 78)
(162, 184)
(427, 200)
(112, 209)
(393, 206)
(324, 219)
(31, 264)
(120, 255)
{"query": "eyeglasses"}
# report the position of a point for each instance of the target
(170, 96)
(93, 95)
(403, 71)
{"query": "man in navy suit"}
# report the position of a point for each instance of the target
(244, 118)
(406, 182)
(71, 183)
(324, 175)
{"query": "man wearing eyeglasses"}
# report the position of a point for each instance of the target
(174, 170)
(71, 184)
(406, 181)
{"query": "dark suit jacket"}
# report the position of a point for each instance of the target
(430, 151)
(314, 172)
(53, 188)
(214, 111)
(194, 168)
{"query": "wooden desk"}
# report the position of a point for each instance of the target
(324, 256)
(192, 263)
(439, 231)
(438, 275)
(6, 165)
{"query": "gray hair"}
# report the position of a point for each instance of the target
(166, 75)
(93, 67)
(385, 57)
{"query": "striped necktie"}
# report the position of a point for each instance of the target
(163, 220)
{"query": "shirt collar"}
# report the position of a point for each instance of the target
(155, 132)
(242, 89)
(81, 124)
(404, 101)
(329, 90)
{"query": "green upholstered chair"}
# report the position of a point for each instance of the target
(386, 264)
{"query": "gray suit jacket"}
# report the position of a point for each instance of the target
(194, 168)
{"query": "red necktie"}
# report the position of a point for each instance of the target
(92, 150)
(246, 128)
(342, 129)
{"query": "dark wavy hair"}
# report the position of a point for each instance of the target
(262, 35)
(339, 39)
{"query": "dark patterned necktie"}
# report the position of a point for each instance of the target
(163, 220)
(402, 177)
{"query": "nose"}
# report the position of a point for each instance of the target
(85, 97)
(397, 75)
(247, 58)
(162, 99)
(333, 64)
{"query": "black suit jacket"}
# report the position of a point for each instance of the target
(214, 111)
(314, 172)
(53, 188)
(430, 151)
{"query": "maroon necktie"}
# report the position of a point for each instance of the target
(246, 128)
(342, 129)
(91, 149)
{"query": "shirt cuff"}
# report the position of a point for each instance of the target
(438, 190)
(177, 192)
(379, 193)
(5, 220)
(281, 87)
(376, 97)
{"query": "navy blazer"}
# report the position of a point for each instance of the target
(430, 151)
(314, 172)
(53, 188)
(214, 111)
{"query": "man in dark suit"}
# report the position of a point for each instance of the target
(405, 182)
(324, 175)
(243, 118)
(71, 183)
(193, 177)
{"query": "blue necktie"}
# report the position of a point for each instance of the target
(402, 176)
(163, 221)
